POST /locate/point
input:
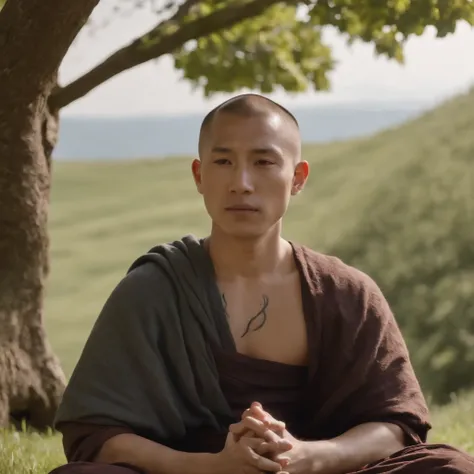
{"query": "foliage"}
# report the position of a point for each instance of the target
(415, 238)
(230, 45)
(388, 24)
(281, 48)
(271, 50)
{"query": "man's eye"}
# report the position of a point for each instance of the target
(264, 162)
(221, 161)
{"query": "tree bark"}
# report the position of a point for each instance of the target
(34, 37)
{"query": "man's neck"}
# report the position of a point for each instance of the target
(235, 257)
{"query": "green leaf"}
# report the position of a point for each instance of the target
(370, 20)
(281, 50)
(271, 51)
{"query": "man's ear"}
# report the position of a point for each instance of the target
(300, 177)
(196, 170)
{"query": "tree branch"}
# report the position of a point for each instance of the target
(34, 37)
(184, 9)
(138, 52)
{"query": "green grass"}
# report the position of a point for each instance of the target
(399, 205)
(29, 453)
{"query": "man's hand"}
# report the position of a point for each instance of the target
(303, 457)
(244, 453)
(268, 433)
(257, 421)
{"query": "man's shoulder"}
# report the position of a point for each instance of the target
(332, 272)
(142, 282)
(162, 256)
(160, 266)
(343, 286)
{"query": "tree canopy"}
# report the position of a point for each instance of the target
(226, 45)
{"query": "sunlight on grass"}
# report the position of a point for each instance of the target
(29, 453)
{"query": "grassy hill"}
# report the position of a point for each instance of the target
(399, 205)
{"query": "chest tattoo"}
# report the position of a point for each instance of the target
(255, 322)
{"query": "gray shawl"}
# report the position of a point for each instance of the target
(148, 362)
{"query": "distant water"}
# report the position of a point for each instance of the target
(159, 136)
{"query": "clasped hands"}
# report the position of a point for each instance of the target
(259, 443)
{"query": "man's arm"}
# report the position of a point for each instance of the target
(154, 458)
(237, 456)
(357, 447)
(354, 449)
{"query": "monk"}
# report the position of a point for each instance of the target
(243, 352)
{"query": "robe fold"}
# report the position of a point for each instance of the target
(148, 362)
(161, 362)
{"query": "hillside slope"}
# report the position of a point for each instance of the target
(416, 238)
(399, 205)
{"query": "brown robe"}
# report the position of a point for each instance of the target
(359, 371)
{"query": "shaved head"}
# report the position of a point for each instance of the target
(249, 155)
(248, 106)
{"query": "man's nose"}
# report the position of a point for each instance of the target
(242, 181)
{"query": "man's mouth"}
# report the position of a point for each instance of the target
(242, 208)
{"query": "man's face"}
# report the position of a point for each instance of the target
(249, 169)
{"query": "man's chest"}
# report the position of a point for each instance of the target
(267, 320)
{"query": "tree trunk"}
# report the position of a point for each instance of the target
(31, 379)
(34, 37)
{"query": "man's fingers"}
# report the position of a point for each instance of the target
(254, 443)
(252, 448)
(269, 447)
(238, 429)
(256, 411)
(273, 448)
(258, 427)
(278, 447)
(264, 464)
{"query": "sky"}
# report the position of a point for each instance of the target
(434, 70)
